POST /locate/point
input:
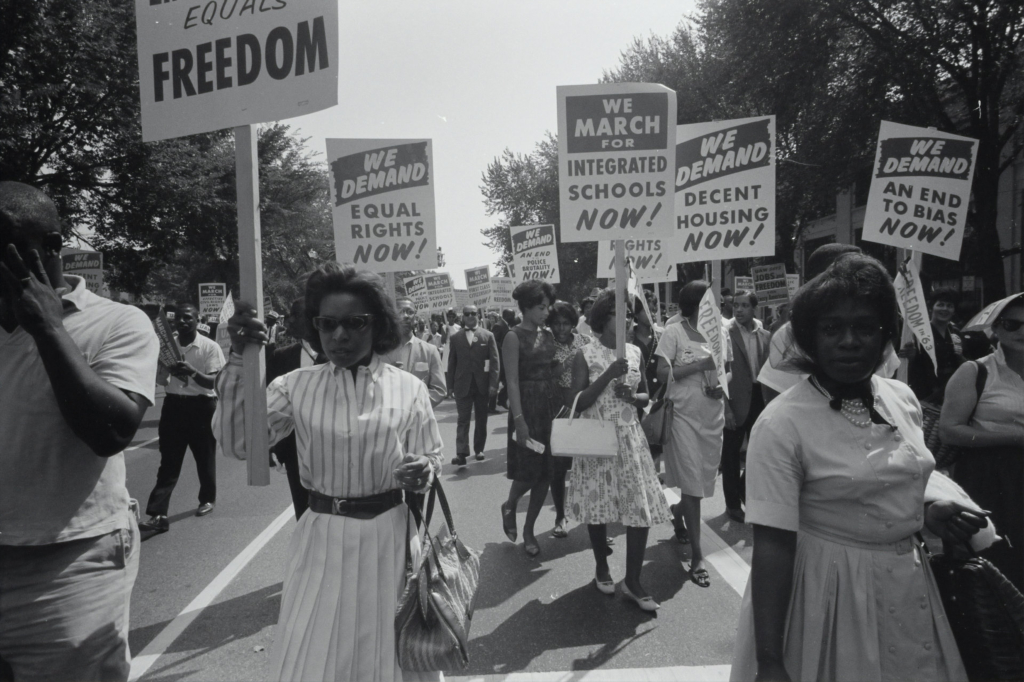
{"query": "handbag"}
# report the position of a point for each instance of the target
(572, 437)
(986, 614)
(657, 423)
(946, 455)
(435, 610)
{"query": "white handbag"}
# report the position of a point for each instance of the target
(572, 437)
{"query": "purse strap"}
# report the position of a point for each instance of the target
(436, 493)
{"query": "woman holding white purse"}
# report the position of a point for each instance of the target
(623, 488)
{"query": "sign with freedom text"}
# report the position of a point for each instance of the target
(223, 63)
(920, 189)
(616, 143)
(501, 292)
(382, 201)
(725, 189)
(913, 309)
(770, 283)
(535, 253)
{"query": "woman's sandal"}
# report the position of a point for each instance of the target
(700, 577)
(508, 522)
(532, 548)
(680, 529)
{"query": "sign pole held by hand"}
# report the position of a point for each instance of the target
(250, 270)
(621, 275)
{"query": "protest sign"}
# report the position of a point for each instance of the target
(462, 299)
(209, 65)
(725, 190)
(648, 257)
(920, 189)
(170, 351)
(416, 289)
(770, 283)
(211, 299)
(478, 282)
(222, 335)
(616, 144)
(382, 199)
(910, 296)
(742, 283)
(438, 292)
(792, 284)
(535, 253)
(709, 324)
(85, 264)
(501, 292)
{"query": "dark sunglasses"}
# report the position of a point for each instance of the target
(1009, 325)
(352, 323)
(470, 314)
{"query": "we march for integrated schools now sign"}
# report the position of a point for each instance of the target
(217, 64)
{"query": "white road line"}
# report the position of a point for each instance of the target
(682, 673)
(145, 660)
(724, 558)
(142, 445)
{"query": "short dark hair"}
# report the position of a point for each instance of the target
(563, 310)
(181, 305)
(824, 256)
(852, 276)
(754, 300)
(690, 295)
(508, 315)
(532, 292)
(334, 278)
(27, 211)
(604, 310)
(726, 291)
(947, 294)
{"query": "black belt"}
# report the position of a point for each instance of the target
(355, 507)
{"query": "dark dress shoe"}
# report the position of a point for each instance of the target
(204, 509)
(480, 457)
(155, 524)
(459, 461)
(736, 515)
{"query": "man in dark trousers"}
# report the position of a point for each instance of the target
(750, 345)
(185, 420)
(280, 361)
(500, 329)
(473, 365)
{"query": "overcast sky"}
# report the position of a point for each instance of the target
(475, 77)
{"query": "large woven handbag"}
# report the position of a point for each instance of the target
(986, 614)
(657, 423)
(573, 437)
(436, 608)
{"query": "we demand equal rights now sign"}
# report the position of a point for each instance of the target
(616, 143)
(382, 199)
(223, 63)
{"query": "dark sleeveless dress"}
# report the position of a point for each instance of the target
(540, 399)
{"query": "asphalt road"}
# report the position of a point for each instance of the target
(195, 616)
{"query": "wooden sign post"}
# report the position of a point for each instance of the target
(621, 275)
(250, 270)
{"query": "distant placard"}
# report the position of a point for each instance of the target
(501, 292)
(616, 147)
(792, 284)
(920, 189)
(535, 252)
(478, 282)
(439, 292)
(382, 199)
(462, 299)
(211, 299)
(416, 289)
(85, 264)
(725, 190)
(649, 257)
(742, 283)
(770, 283)
(205, 66)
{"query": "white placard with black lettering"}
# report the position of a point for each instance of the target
(535, 253)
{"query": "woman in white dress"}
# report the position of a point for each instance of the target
(836, 475)
(694, 451)
(365, 432)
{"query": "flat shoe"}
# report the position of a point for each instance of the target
(700, 577)
(606, 587)
(646, 603)
(204, 509)
(508, 523)
(559, 531)
(480, 457)
(459, 461)
(736, 515)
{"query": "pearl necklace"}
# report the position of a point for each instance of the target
(851, 409)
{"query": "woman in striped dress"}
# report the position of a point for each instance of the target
(365, 431)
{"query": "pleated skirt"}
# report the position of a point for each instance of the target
(341, 589)
(864, 615)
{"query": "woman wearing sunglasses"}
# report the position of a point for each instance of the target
(365, 433)
(990, 428)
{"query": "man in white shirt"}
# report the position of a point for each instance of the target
(185, 421)
(416, 356)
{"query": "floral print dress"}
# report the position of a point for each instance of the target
(623, 489)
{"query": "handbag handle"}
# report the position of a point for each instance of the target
(572, 412)
(436, 491)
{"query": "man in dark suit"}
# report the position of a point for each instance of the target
(281, 361)
(473, 365)
(500, 329)
(750, 345)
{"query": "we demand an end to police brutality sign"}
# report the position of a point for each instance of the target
(213, 64)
